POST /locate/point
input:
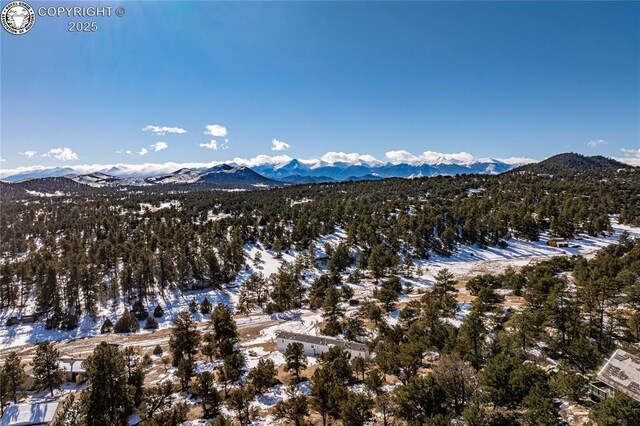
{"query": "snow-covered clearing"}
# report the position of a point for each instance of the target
(48, 194)
(164, 205)
(471, 260)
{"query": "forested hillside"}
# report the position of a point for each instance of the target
(73, 251)
(364, 261)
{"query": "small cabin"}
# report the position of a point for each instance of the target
(317, 345)
(28, 319)
(557, 242)
(12, 321)
(620, 374)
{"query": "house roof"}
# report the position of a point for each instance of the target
(71, 365)
(29, 414)
(622, 373)
(323, 340)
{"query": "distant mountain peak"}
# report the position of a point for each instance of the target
(572, 161)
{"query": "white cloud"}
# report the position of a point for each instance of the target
(143, 151)
(432, 158)
(159, 146)
(595, 142)
(261, 160)
(129, 152)
(212, 144)
(517, 160)
(29, 154)
(631, 152)
(216, 130)
(401, 156)
(277, 145)
(631, 157)
(163, 130)
(349, 157)
(2, 160)
(63, 154)
(632, 161)
(429, 157)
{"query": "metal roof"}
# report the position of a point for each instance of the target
(323, 340)
(622, 373)
(29, 414)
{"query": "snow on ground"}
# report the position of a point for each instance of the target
(269, 264)
(254, 355)
(306, 324)
(164, 205)
(214, 217)
(172, 302)
(300, 201)
(469, 260)
(48, 194)
(461, 314)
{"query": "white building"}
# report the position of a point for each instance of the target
(37, 414)
(72, 369)
(316, 345)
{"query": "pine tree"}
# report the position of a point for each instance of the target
(295, 359)
(389, 292)
(321, 398)
(355, 410)
(471, 339)
(340, 258)
(540, 409)
(374, 382)
(620, 410)
(441, 292)
(239, 401)
(4, 392)
(211, 399)
(110, 398)
(420, 399)
(46, 370)
(158, 312)
(185, 372)
(224, 330)
(185, 337)
(231, 370)
(151, 324)
(209, 347)
(379, 260)
(294, 409)
(13, 375)
(263, 375)
(332, 312)
(214, 271)
(127, 323)
(107, 326)
(205, 306)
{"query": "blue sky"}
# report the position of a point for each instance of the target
(492, 79)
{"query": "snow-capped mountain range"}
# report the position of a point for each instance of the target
(223, 175)
(282, 169)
